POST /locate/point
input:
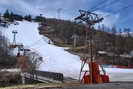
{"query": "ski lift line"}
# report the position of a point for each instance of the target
(128, 17)
(99, 4)
(123, 22)
(122, 9)
(35, 43)
(103, 3)
(63, 9)
(37, 47)
(35, 50)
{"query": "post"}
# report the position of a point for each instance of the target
(14, 36)
(23, 78)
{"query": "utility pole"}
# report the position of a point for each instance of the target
(89, 19)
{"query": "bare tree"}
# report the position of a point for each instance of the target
(34, 60)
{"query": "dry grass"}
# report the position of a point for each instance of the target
(42, 85)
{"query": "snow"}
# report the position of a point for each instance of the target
(119, 74)
(56, 59)
(11, 70)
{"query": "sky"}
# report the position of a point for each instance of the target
(115, 12)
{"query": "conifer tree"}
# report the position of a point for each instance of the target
(6, 14)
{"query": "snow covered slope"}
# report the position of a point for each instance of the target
(118, 74)
(56, 59)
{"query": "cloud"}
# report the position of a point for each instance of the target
(68, 7)
(17, 6)
(26, 8)
(49, 8)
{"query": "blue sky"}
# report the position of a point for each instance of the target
(119, 11)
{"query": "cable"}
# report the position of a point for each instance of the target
(34, 43)
(121, 9)
(103, 1)
(103, 6)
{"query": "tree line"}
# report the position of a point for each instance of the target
(10, 16)
(105, 38)
(111, 40)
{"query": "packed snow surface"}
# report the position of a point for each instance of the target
(118, 74)
(56, 59)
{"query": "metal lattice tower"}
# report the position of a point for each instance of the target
(14, 36)
(89, 19)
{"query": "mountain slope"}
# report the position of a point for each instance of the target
(55, 58)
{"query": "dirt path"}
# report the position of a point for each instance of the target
(127, 85)
(102, 86)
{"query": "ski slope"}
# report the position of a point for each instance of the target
(118, 74)
(56, 59)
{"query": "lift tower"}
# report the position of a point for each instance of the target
(14, 32)
(90, 19)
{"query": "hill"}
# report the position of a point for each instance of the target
(76, 37)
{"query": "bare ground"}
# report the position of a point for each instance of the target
(122, 85)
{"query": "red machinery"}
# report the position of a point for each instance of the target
(93, 75)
